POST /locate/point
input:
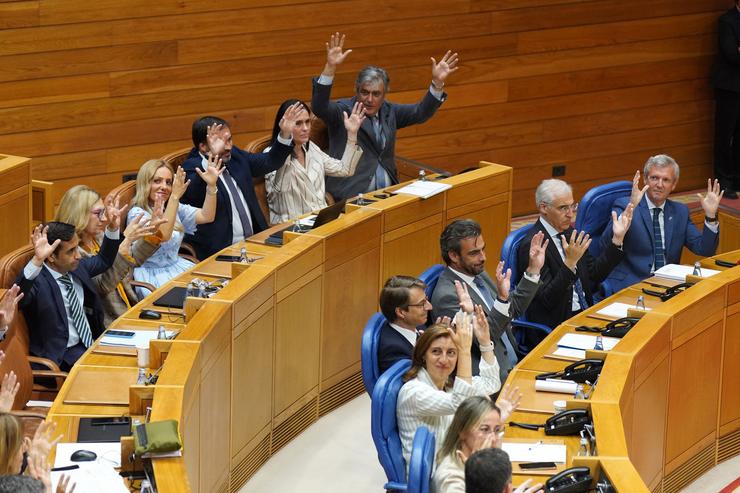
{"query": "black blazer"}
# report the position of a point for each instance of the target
(552, 304)
(726, 70)
(392, 347)
(43, 303)
(243, 166)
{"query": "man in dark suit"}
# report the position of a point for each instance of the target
(570, 274)
(463, 250)
(238, 214)
(377, 135)
(662, 227)
(405, 307)
(726, 80)
(60, 303)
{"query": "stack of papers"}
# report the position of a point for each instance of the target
(140, 338)
(534, 452)
(617, 310)
(679, 272)
(575, 345)
(424, 189)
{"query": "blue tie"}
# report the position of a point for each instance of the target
(659, 250)
(486, 293)
(381, 180)
(578, 286)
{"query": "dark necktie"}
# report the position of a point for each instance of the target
(578, 285)
(659, 250)
(243, 217)
(486, 293)
(78, 314)
(380, 176)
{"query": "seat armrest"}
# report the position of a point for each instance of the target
(141, 284)
(44, 361)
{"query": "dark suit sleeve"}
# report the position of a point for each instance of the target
(410, 114)
(195, 194)
(599, 268)
(702, 243)
(322, 106)
(27, 288)
(728, 44)
(552, 284)
(97, 264)
(262, 163)
(606, 237)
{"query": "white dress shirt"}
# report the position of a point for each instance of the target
(420, 402)
(409, 335)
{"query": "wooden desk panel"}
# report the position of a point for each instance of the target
(15, 202)
(729, 414)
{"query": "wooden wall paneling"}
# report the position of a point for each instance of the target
(729, 232)
(15, 202)
(729, 413)
(19, 14)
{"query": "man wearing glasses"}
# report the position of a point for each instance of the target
(570, 274)
(663, 227)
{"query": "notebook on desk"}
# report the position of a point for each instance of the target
(174, 298)
(93, 430)
(325, 215)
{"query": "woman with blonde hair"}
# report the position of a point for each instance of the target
(82, 207)
(440, 377)
(11, 445)
(156, 185)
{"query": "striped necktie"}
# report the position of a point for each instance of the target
(486, 293)
(78, 314)
(659, 250)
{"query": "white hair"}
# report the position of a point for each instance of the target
(550, 189)
(660, 161)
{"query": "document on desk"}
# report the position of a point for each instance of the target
(617, 310)
(424, 189)
(140, 338)
(584, 342)
(534, 452)
(679, 272)
(92, 477)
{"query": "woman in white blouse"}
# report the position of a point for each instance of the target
(298, 186)
(440, 377)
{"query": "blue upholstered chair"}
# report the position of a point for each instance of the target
(384, 427)
(509, 255)
(594, 214)
(595, 210)
(430, 277)
(369, 351)
(421, 462)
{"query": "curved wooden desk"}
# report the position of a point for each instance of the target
(666, 408)
(279, 346)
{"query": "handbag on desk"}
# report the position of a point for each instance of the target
(156, 437)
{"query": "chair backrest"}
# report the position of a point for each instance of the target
(421, 462)
(594, 210)
(257, 146)
(509, 252)
(430, 278)
(383, 423)
(11, 265)
(369, 351)
(176, 158)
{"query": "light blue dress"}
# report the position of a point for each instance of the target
(165, 264)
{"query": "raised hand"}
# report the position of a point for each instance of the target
(352, 122)
(38, 468)
(215, 139)
(480, 326)
(179, 185)
(8, 390)
(64, 483)
(537, 250)
(42, 441)
(441, 70)
(503, 281)
(137, 228)
(710, 201)
(215, 168)
(637, 192)
(158, 209)
(446, 321)
(334, 51)
(508, 400)
(462, 335)
(621, 224)
(114, 213)
(574, 250)
(466, 302)
(525, 488)
(41, 247)
(287, 122)
(8, 305)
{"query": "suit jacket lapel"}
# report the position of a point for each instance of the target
(367, 127)
(552, 253)
(644, 212)
(56, 293)
(668, 225)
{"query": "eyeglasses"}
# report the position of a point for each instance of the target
(563, 209)
(98, 212)
(420, 304)
(498, 431)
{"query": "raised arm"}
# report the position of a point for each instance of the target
(352, 152)
(179, 185)
(321, 105)
(207, 213)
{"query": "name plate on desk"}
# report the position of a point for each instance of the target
(102, 385)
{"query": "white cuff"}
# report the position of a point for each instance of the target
(325, 80)
(287, 142)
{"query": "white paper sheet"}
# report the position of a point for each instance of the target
(424, 189)
(140, 338)
(109, 453)
(534, 452)
(567, 352)
(584, 341)
(92, 477)
(558, 386)
(679, 272)
(617, 310)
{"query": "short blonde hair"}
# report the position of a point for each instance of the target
(11, 440)
(75, 207)
(144, 185)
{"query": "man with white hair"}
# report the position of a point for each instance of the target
(663, 227)
(570, 274)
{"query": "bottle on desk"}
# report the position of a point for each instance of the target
(141, 380)
(697, 269)
(640, 305)
(161, 333)
(422, 175)
(243, 256)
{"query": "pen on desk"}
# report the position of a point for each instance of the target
(65, 468)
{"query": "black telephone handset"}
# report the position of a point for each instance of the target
(620, 327)
(569, 422)
(586, 370)
(670, 292)
(573, 480)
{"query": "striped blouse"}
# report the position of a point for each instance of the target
(294, 190)
(420, 402)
